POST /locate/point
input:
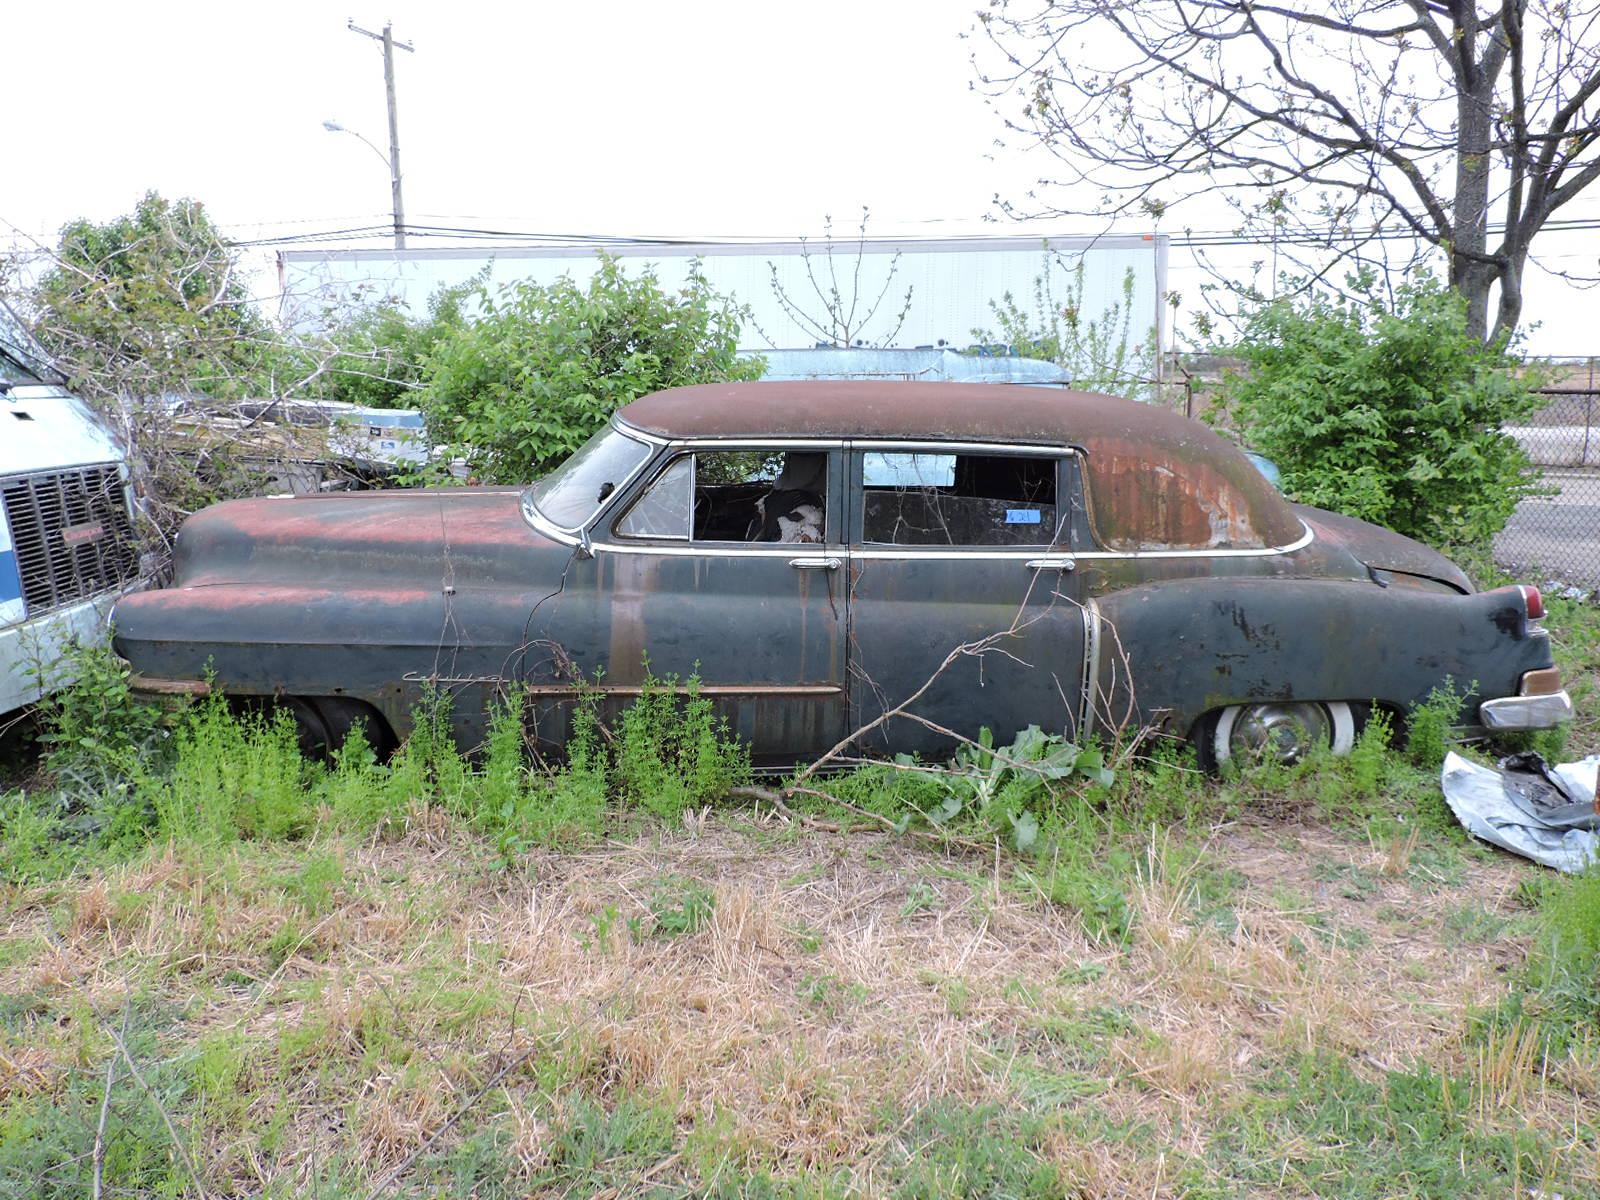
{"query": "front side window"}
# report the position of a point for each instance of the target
(735, 496)
(922, 498)
(667, 506)
(570, 495)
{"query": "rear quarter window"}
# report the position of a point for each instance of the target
(1142, 499)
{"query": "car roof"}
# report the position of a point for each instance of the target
(1158, 478)
(962, 412)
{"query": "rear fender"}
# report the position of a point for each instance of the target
(1173, 651)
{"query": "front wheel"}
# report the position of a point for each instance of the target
(1285, 731)
(322, 723)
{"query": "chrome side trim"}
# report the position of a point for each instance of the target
(1300, 543)
(754, 690)
(1091, 666)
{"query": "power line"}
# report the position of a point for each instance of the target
(1206, 239)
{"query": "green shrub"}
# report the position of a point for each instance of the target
(99, 741)
(570, 807)
(519, 807)
(376, 355)
(101, 748)
(1395, 415)
(362, 794)
(30, 825)
(673, 754)
(1431, 724)
(235, 776)
(543, 367)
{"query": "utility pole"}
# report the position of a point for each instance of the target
(389, 44)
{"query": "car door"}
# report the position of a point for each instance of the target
(964, 605)
(727, 564)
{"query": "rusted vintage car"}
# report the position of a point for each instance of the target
(820, 554)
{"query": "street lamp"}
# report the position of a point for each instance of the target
(333, 126)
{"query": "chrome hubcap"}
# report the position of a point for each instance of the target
(1286, 732)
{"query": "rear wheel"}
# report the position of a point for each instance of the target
(1285, 731)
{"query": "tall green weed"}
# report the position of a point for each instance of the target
(235, 775)
(673, 753)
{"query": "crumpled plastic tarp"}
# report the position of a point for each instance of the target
(1528, 807)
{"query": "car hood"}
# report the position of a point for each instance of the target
(1382, 549)
(460, 537)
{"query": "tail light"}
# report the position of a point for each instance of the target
(1533, 600)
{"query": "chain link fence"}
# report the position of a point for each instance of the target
(1556, 537)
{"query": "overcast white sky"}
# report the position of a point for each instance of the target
(701, 119)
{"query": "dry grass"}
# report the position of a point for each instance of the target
(837, 980)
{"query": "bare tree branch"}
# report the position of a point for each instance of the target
(1354, 115)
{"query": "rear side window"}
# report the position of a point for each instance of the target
(921, 498)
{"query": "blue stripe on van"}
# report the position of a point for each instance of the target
(10, 581)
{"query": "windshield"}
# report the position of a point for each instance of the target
(574, 491)
(21, 360)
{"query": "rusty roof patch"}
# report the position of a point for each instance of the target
(981, 412)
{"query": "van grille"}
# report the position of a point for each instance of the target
(71, 534)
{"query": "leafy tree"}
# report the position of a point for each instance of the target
(150, 308)
(543, 367)
(376, 356)
(1327, 125)
(149, 318)
(152, 303)
(1394, 416)
(1095, 349)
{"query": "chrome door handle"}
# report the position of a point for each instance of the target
(1053, 564)
(826, 563)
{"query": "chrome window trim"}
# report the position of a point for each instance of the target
(976, 554)
(886, 550)
(535, 518)
(740, 442)
(714, 549)
(873, 551)
(677, 448)
(979, 552)
(666, 465)
(919, 445)
(633, 431)
(744, 443)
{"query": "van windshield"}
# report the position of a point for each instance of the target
(571, 494)
(21, 359)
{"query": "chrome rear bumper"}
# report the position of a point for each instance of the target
(1526, 712)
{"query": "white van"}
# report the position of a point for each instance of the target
(67, 547)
